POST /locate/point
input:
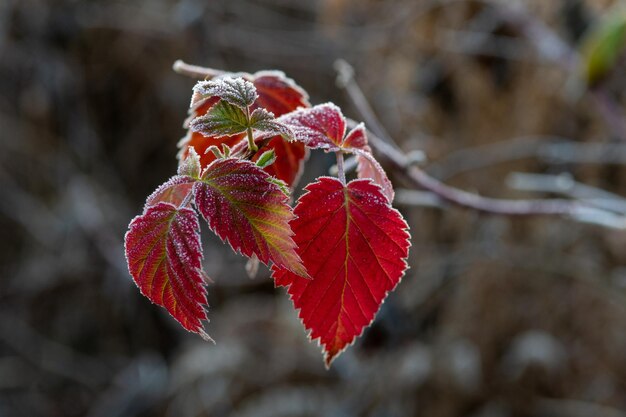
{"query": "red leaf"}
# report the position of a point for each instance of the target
(250, 212)
(174, 191)
(164, 256)
(354, 246)
(277, 94)
(357, 139)
(319, 127)
(368, 167)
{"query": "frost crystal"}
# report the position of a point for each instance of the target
(221, 120)
(264, 121)
(236, 91)
(190, 165)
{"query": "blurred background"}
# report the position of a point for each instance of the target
(497, 316)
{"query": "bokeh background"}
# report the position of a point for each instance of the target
(497, 317)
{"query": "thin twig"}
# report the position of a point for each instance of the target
(345, 80)
(549, 149)
(565, 185)
(398, 160)
(583, 153)
(194, 71)
(418, 198)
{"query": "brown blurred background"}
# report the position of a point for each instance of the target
(498, 317)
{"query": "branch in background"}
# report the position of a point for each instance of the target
(549, 149)
(482, 156)
(576, 210)
(565, 185)
(405, 197)
(583, 153)
(194, 71)
(345, 80)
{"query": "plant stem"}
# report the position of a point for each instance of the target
(251, 145)
(340, 170)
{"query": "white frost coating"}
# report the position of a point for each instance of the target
(261, 115)
(322, 126)
(264, 121)
(190, 165)
(221, 120)
(368, 167)
(236, 91)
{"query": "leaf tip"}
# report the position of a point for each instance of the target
(205, 336)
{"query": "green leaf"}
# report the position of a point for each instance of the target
(219, 153)
(602, 47)
(281, 184)
(264, 121)
(222, 119)
(190, 166)
(236, 91)
(266, 159)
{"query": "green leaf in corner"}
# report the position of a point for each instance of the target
(602, 46)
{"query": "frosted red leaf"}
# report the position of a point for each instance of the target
(248, 211)
(319, 127)
(164, 256)
(357, 139)
(368, 167)
(354, 246)
(174, 191)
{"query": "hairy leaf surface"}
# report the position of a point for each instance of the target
(234, 90)
(190, 166)
(244, 207)
(319, 127)
(264, 121)
(368, 167)
(164, 256)
(174, 191)
(354, 246)
(223, 119)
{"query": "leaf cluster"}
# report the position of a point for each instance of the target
(338, 252)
